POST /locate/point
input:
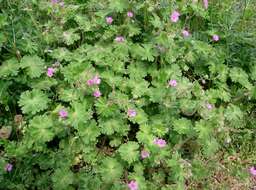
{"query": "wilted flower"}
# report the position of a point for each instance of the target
(131, 113)
(8, 167)
(119, 39)
(63, 114)
(144, 154)
(160, 142)
(133, 185)
(61, 3)
(215, 38)
(175, 16)
(130, 14)
(97, 93)
(50, 71)
(109, 20)
(5, 132)
(173, 83)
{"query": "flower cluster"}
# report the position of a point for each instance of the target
(95, 81)
(161, 143)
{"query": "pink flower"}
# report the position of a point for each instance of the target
(130, 14)
(253, 170)
(119, 39)
(215, 38)
(209, 106)
(160, 142)
(205, 4)
(96, 80)
(63, 114)
(8, 167)
(50, 71)
(144, 154)
(175, 16)
(97, 93)
(109, 20)
(173, 83)
(54, 1)
(131, 113)
(185, 33)
(133, 185)
(90, 82)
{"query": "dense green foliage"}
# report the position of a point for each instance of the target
(90, 103)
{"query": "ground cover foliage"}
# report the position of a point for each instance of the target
(119, 94)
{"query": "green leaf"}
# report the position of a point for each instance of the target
(235, 116)
(118, 5)
(43, 84)
(240, 76)
(9, 68)
(111, 126)
(106, 108)
(89, 133)
(131, 149)
(70, 37)
(76, 71)
(69, 95)
(62, 178)
(33, 65)
(110, 170)
(41, 129)
(33, 101)
(80, 113)
(182, 126)
(144, 52)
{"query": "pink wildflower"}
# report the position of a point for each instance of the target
(54, 1)
(133, 185)
(209, 106)
(175, 16)
(160, 142)
(215, 38)
(131, 113)
(253, 171)
(97, 93)
(173, 83)
(185, 33)
(63, 114)
(144, 154)
(206, 4)
(50, 71)
(109, 20)
(90, 82)
(130, 14)
(119, 39)
(96, 80)
(8, 167)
